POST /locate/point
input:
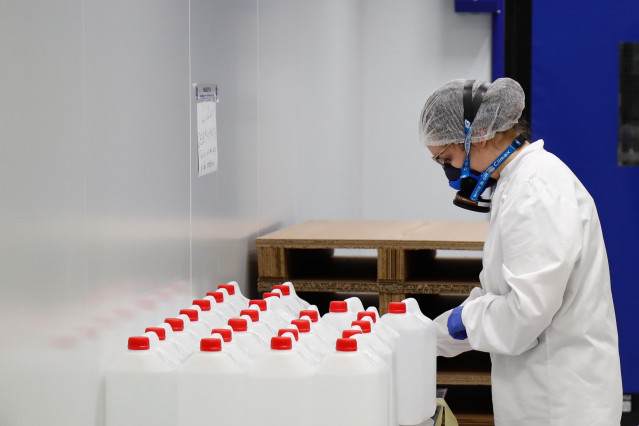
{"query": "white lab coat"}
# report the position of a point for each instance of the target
(545, 313)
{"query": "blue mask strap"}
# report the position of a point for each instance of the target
(466, 167)
(483, 179)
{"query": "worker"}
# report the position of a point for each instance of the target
(544, 310)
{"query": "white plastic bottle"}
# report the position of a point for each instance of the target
(232, 347)
(234, 298)
(415, 380)
(209, 384)
(140, 388)
(280, 384)
(192, 321)
(275, 304)
(326, 332)
(354, 304)
(260, 327)
(168, 347)
(384, 331)
(412, 308)
(310, 357)
(247, 339)
(313, 341)
(303, 303)
(388, 353)
(290, 297)
(221, 305)
(170, 337)
(213, 319)
(186, 338)
(267, 315)
(238, 291)
(353, 390)
(339, 316)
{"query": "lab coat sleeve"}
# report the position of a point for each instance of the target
(541, 239)
(446, 345)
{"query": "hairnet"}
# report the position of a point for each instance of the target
(442, 119)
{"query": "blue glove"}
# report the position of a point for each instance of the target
(456, 327)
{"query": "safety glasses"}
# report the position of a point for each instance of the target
(438, 160)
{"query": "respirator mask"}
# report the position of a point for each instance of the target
(471, 184)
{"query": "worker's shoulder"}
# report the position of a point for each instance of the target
(542, 167)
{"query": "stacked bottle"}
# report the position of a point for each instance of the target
(290, 364)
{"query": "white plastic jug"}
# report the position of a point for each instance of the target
(169, 348)
(232, 297)
(416, 381)
(260, 327)
(412, 308)
(267, 315)
(275, 304)
(354, 305)
(212, 318)
(209, 384)
(350, 389)
(384, 331)
(303, 303)
(247, 339)
(238, 291)
(338, 316)
(221, 305)
(232, 347)
(169, 337)
(311, 357)
(186, 338)
(140, 387)
(192, 321)
(280, 384)
(313, 341)
(325, 331)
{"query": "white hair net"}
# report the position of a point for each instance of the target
(442, 120)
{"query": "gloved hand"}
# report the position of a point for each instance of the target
(456, 327)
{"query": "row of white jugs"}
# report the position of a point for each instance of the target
(230, 361)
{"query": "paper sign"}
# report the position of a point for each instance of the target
(206, 137)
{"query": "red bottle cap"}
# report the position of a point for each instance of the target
(211, 344)
(281, 343)
(313, 315)
(230, 289)
(364, 314)
(259, 303)
(139, 343)
(338, 306)
(157, 330)
(218, 295)
(350, 333)
(295, 332)
(286, 291)
(270, 295)
(238, 324)
(177, 324)
(397, 308)
(304, 326)
(364, 325)
(191, 313)
(205, 305)
(226, 334)
(346, 345)
(255, 316)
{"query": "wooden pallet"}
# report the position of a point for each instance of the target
(405, 261)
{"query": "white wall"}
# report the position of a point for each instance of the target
(410, 48)
(106, 228)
